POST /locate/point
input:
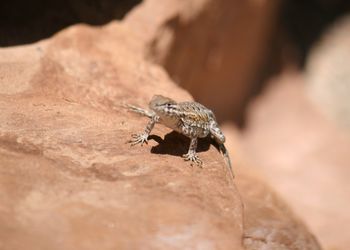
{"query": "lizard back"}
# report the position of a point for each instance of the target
(195, 119)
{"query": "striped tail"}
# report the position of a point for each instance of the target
(227, 158)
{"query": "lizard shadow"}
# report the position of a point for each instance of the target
(177, 144)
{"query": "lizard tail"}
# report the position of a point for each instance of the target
(227, 158)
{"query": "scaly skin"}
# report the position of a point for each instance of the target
(191, 119)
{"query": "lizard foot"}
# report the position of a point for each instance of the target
(138, 138)
(193, 157)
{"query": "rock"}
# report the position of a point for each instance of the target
(68, 179)
(304, 156)
(211, 48)
(269, 223)
(327, 74)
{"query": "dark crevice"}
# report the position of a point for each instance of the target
(304, 22)
(301, 25)
(23, 22)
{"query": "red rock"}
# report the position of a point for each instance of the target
(304, 156)
(269, 223)
(327, 73)
(68, 180)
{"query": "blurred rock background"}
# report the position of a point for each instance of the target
(278, 70)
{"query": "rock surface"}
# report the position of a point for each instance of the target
(268, 221)
(304, 156)
(68, 180)
(328, 75)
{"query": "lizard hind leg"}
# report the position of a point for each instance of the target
(191, 154)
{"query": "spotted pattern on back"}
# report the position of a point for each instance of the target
(195, 114)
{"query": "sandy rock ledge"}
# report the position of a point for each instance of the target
(69, 180)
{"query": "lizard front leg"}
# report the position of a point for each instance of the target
(142, 137)
(191, 154)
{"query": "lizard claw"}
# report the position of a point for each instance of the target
(193, 157)
(138, 138)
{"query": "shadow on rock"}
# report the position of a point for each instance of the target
(177, 144)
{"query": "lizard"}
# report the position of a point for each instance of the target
(191, 119)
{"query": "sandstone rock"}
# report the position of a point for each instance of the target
(304, 156)
(210, 47)
(328, 75)
(269, 223)
(68, 180)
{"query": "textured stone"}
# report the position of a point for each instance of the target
(327, 73)
(68, 180)
(304, 156)
(269, 223)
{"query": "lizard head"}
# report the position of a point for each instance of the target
(161, 104)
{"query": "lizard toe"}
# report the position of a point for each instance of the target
(138, 139)
(193, 157)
